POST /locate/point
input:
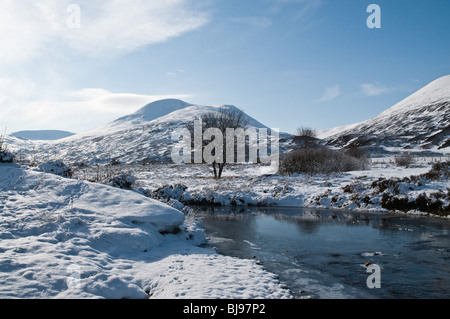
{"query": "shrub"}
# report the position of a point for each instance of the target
(404, 160)
(56, 167)
(348, 188)
(396, 203)
(125, 181)
(168, 192)
(306, 132)
(438, 194)
(422, 203)
(438, 171)
(5, 155)
(306, 141)
(383, 184)
(358, 152)
(319, 160)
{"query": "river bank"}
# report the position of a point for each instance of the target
(421, 189)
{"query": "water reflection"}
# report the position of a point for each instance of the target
(322, 252)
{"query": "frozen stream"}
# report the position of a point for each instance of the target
(322, 253)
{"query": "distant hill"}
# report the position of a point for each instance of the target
(42, 135)
(420, 123)
(141, 137)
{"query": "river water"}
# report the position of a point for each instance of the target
(336, 254)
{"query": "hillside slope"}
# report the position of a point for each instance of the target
(142, 137)
(419, 123)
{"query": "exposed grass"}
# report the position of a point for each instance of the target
(5, 155)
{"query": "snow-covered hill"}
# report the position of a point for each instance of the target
(419, 123)
(153, 111)
(142, 137)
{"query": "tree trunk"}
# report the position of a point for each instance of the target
(215, 170)
(221, 166)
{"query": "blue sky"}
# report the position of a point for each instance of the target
(288, 63)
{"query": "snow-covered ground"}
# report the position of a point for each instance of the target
(66, 238)
(249, 185)
(71, 238)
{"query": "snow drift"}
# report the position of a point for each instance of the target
(64, 238)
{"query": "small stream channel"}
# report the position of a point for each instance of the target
(326, 253)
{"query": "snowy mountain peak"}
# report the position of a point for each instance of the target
(154, 110)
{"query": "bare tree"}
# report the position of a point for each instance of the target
(306, 132)
(221, 120)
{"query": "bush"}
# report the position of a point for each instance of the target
(168, 192)
(5, 155)
(422, 203)
(124, 181)
(306, 132)
(440, 170)
(386, 184)
(56, 167)
(358, 152)
(404, 160)
(306, 142)
(396, 203)
(320, 160)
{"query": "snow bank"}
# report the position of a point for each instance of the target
(63, 238)
(242, 186)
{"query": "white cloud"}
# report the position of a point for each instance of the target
(37, 39)
(330, 93)
(75, 110)
(32, 28)
(117, 104)
(374, 89)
